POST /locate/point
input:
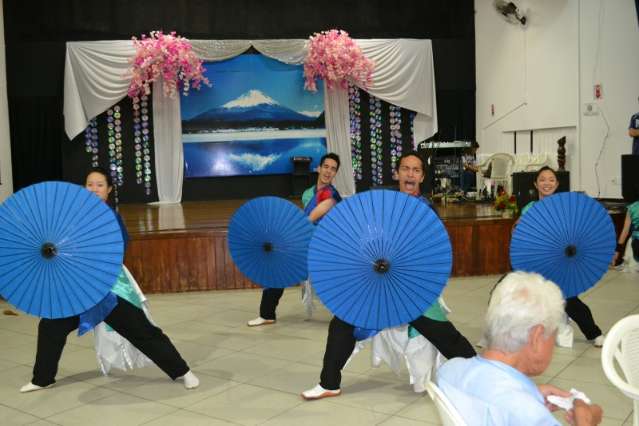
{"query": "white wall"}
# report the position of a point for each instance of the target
(6, 185)
(539, 77)
(607, 56)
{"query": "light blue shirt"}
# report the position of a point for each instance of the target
(492, 393)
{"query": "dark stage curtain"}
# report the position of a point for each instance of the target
(36, 33)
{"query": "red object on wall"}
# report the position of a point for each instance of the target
(598, 93)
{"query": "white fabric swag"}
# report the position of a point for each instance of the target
(96, 79)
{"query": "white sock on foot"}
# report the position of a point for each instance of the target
(190, 380)
(30, 387)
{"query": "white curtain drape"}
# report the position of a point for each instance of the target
(96, 79)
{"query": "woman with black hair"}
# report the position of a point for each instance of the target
(125, 318)
(546, 183)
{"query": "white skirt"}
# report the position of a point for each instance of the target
(113, 350)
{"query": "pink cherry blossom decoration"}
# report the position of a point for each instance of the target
(168, 56)
(335, 57)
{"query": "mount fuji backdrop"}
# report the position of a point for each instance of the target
(253, 110)
(252, 121)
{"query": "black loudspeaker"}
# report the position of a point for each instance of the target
(524, 188)
(301, 176)
(630, 178)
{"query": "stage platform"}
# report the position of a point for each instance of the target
(183, 247)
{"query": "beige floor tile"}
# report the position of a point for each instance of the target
(184, 417)
(195, 353)
(11, 416)
(117, 409)
(402, 421)
(121, 380)
(236, 339)
(377, 395)
(173, 392)
(422, 409)
(231, 318)
(65, 395)
(592, 353)
(559, 363)
(25, 354)
(23, 323)
(290, 348)
(584, 369)
(11, 338)
(295, 378)
(267, 367)
(5, 365)
(323, 412)
(241, 366)
(247, 404)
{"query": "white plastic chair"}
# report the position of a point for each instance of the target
(502, 165)
(447, 411)
(622, 345)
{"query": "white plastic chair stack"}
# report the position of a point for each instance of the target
(622, 345)
(447, 411)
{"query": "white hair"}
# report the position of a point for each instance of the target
(519, 302)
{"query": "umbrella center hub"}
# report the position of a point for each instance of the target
(48, 250)
(381, 266)
(268, 247)
(570, 251)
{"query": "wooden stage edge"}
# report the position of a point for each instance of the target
(183, 247)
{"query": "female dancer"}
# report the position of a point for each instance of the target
(546, 183)
(125, 318)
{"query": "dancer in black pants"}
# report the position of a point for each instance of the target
(546, 183)
(341, 342)
(433, 325)
(125, 318)
(317, 201)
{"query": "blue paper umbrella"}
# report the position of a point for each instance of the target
(568, 238)
(379, 259)
(60, 249)
(268, 240)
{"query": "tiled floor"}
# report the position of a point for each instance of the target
(252, 376)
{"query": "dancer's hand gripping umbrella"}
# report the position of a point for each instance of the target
(61, 249)
(379, 259)
(268, 240)
(568, 238)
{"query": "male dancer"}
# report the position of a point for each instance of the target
(317, 201)
(433, 324)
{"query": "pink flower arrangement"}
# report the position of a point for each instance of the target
(168, 56)
(335, 57)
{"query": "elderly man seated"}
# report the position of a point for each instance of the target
(495, 388)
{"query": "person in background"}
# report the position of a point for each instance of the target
(469, 164)
(633, 132)
(630, 227)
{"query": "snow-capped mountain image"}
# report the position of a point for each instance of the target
(252, 121)
(252, 109)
